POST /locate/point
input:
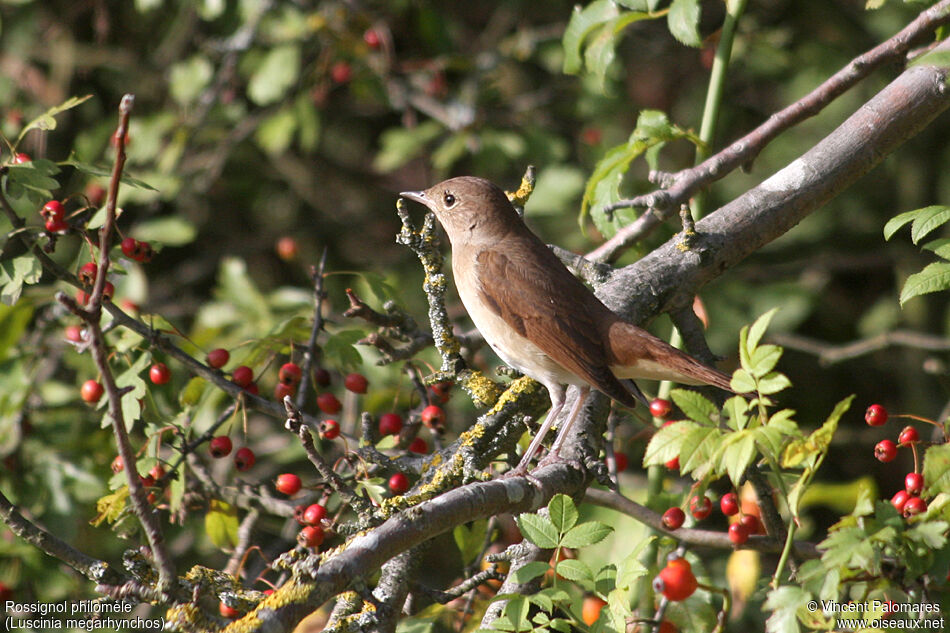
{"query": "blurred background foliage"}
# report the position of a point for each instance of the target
(258, 119)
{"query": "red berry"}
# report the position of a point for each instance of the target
(159, 373)
(147, 481)
(117, 464)
(908, 436)
(914, 505)
(288, 483)
(390, 424)
(751, 522)
(87, 273)
(660, 407)
(143, 252)
(441, 391)
(311, 536)
(328, 403)
(244, 459)
(341, 72)
(621, 460)
(914, 483)
(418, 446)
(108, 290)
(96, 193)
(73, 333)
(6, 593)
(700, 507)
(21, 158)
(673, 518)
(252, 389)
(329, 429)
(314, 514)
(356, 383)
(876, 415)
(228, 612)
(128, 247)
(398, 483)
(673, 464)
(372, 39)
(282, 389)
(290, 374)
(321, 377)
(242, 376)
(157, 472)
(676, 581)
(729, 504)
(899, 500)
(57, 225)
(218, 358)
(885, 451)
(220, 446)
(433, 417)
(287, 248)
(53, 210)
(738, 533)
(592, 136)
(91, 391)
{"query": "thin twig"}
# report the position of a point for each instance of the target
(309, 355)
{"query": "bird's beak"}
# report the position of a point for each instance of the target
(415, 196)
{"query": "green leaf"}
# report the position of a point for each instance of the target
(583, 21)
(399, 145)
(698, 447)
(190, 396)
(187, 79)
(940, 59)
(308, 122)
(933, 278)
(932, 534)
(470, 540)
(169, 231)
(529, 571)
(665, 443)
(575, 570)
(341, 347)
(763, 359)
(738, 453)
(683, 21)
(936, 470)
(742, 381)
(279, 71)
(773, 383)
(13, 322)
(586, 534)
(221, 524)
(940, 247)
(275, 133)
(894, 224)
(695, 406)
(47, 120)
(106, 172)
(929, 219)
(757, 330)
(563, 512)
(784, 604)
(34, 179)
(16, 273)
(601, 49)
(538, 530)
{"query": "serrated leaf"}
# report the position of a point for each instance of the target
(773, 383)
(583, 21)
(47, 120)
(529, 571)
(538, 530)
(928, 219)
(763, 359)
(586, 534)
(932, 534)
(940, 247)
(575, 570)
(784, 603)
(894, 224)
(936, 470)
(683, 21)
(697, 448)
(695, 406)
(757, 329)
(737, 454)
(601, 49)
(742, 381)
(562, 512)
(934, 277)
(665, 443)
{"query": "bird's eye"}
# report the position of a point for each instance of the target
(448, 200)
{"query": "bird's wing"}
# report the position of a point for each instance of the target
(550, 307)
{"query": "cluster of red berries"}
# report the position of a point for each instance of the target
(221, 445)
(907, 501)
(700, 506)
(87, 277)
(139, 251)
(288, 379)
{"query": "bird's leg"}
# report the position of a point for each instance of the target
(557, 403)
(562, 432)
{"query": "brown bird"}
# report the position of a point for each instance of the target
(537, 316)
